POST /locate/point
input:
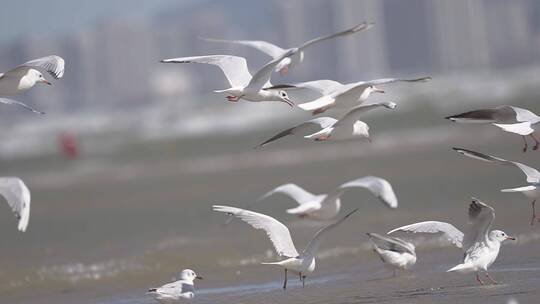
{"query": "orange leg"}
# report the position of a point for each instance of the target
(478, 279)
(536, 142)
(524, 144)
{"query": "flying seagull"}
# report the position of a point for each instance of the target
(296, 54)
(280, 237)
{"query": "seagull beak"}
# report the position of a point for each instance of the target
(198, 277)
(288, 101)
(511, 238)
(45, 81)
(377, 90)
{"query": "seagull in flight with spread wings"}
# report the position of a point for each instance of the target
(26, 75)
(296, 55)
(322, 207)
(280, 237)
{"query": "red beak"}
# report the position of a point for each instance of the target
(46, 82)
(510, 238)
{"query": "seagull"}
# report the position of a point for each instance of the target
(26, 75)
(509, 118)
(17, 196)
(280, 236)
(296, 55)
(481, 245)
(175, 292)
(531, 191)
(347, 127)
(330, 93)
(243, 85)
(394, 252)
(323, 207)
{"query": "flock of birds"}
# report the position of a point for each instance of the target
(481, 245)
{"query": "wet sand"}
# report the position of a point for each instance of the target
(105, 228)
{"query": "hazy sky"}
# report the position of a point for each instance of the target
(19, 17)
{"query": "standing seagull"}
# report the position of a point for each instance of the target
(334, 94)
(296, 55)
(175, 292)
(26, 75)
(394, 252)
(531, 191)
(347, 127)
(327, 206)
(480, 244)
(17, 196)
(243, 85)
(280, 236)
(508, 118)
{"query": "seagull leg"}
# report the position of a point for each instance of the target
(285, 282)
(478, 279)
(284, 70)
(300, 276)
(232, 98)
(524, 144)
(533, 213)
(491, 279)
(536, 142)
(322, 138)
(320, 110)
(303, 281)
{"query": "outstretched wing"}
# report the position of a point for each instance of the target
(533, 176)
(391, 243)
(323, 122)
(17, 195)
(235, 68)
(313, 245)
(481, 217)
(262, 77)
(20, 104)
(53, 64)
(277, 232)
(266, 47)
(354, 115)
(379, 187)
(294, 191)
(451, 233)
(500, 114)
(357, 28)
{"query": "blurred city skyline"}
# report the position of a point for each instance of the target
(414, 37)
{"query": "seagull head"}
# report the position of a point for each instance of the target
(283, 96)
(189, 275)
(36, 76)
(500, 236)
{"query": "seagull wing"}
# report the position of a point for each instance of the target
(500, 114)
(17, 196)
(53, 64)
(266, 47)
(450, 232)
(277, 232)
(379, 187)
(262, 77)
(356, 28)
(533, 176)
(294, 191)
(234, 67)
(391, 243)
(313, 245)
(305, 92)
(354, 115)
(18, 103)
(322, 122)
(521, 128)
(481, 218)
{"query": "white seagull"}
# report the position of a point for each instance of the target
(508, 118)
(296, 55)
(280, 236)
(347, 127)
(175, 292)
(481, 245)
(394, 252)
(323, 207)
(531, 191)
(322, 95)
(243, 85)
(17, 196)
(26, 75)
